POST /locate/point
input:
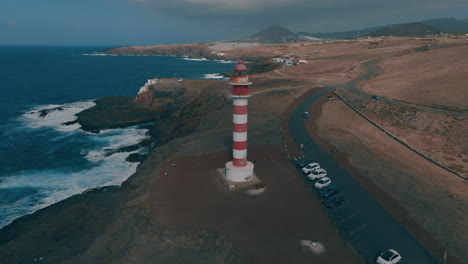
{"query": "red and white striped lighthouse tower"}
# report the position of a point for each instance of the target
(239, 169)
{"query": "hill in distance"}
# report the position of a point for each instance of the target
(273, 34)
(449, 25)
(446, 25)
(416, 29)
(352, 34)
(280, 34)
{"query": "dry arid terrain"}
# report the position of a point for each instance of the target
(187, 216)
(438, 78)
(432, 197)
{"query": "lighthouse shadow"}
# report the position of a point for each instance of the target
(227, 143)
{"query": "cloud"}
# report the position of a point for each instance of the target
(227, 7)
(302, 14)
(205, 7)
(11, 23)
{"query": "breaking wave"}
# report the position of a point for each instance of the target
(90, 160)
(55, 116)
(193, 59)
(98, 54)
(215, 76)
(225, 61)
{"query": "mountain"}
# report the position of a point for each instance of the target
(448, 25)
(416, 29)
(274, 34)
(343, 35)
(422, 28)
(280, 34)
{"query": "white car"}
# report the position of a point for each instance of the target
(389, 256)
(317, 174)
(310, 167)
(323, 182)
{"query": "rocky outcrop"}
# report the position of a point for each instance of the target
(191, 50)
(114, 112)
(174, 107)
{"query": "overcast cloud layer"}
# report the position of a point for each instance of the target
(146, 22)
(311, 15)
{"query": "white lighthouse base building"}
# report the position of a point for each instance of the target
(239, 174)
(239, 178)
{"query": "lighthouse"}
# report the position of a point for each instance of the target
(239, 169)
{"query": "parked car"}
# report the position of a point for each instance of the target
(322, 183)
(329, 191)
(376, 97)
(389, 256)
(310, 167)
(317, 174)
(306, 115)
(334, 201)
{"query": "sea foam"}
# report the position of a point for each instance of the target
(51, 186)
(100, 162)
(213, 76)
(114, 139)
(193, 59)
(55, 115)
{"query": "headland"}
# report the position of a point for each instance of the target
(175, 215)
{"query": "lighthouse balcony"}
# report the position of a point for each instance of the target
(240, 95)
(236, 80)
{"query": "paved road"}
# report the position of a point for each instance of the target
(368, 227)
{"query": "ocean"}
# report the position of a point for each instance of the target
(41, 160)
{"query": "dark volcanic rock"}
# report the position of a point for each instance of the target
(45, 112)
(69, 123)
(114, 112)
(136, 157)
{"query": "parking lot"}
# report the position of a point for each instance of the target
(361, 220)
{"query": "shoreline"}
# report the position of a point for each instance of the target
(136, 214)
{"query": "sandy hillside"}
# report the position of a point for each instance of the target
(435, 199)
(436, 77)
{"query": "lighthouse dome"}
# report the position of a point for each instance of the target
(240, 66)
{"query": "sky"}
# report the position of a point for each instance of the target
(150, 22)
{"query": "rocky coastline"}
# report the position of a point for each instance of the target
(172, 109)
(194, 51)
(152, 218)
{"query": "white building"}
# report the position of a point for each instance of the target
(152, 81)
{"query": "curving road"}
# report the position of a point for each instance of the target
(372, 71)
(368, 227)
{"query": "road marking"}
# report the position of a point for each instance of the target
(349, 217)
(337, 208)
(357, 229)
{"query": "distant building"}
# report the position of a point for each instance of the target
(152, 81)
(278, 60)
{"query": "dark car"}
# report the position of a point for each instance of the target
(334, 201)
(302, 162)
(329, 191)
(376, 97)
